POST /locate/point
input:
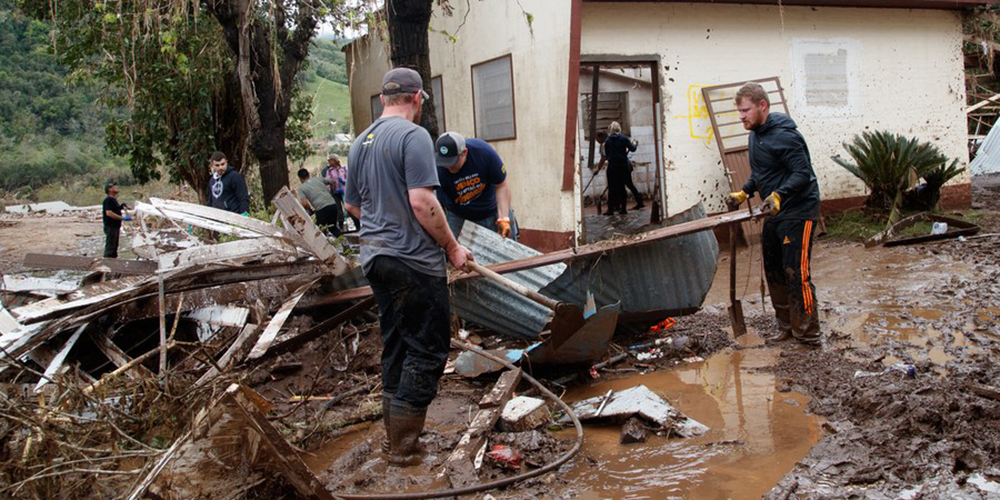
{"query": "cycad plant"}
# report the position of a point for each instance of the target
(892, 164)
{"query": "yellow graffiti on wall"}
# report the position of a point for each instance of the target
(699, 123)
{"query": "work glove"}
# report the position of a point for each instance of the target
(503, 227)
(736, 199)
(771, 204)
(126, 217)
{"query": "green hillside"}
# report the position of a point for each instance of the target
(326, 81)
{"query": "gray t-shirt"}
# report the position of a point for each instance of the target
(390, 157)
(317, 193)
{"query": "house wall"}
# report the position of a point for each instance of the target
(546, 214)
(905, 72)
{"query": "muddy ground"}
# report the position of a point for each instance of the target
(786, 421)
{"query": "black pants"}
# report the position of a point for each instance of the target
(414, 314)
(631, 187)
(787, 249)
(340, 220)
(617, 176)
(111, 242)
(326, 218)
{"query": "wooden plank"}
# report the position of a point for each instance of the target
(75, 262)
(982, 103)
(240, 249)
(278, 320)
(249, 223)
(285, 458)
(193, 220)
(459, 466)
(233, 355)
(83, 296)
(569, 254)
(295, 217)
(220, 315)
(60, 357)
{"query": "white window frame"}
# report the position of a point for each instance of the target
(513, 101)
(802, 47)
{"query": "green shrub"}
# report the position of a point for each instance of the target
(891, 164)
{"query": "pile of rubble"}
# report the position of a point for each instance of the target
(104, 374)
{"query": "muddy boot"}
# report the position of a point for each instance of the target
(404, 435)
(779, 300)
(805, 329)
(386, 411)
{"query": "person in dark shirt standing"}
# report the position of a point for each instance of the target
(226, 188)
(603, 136)
(473, 185)
(112, 216)
(781, 171)
(617, 147)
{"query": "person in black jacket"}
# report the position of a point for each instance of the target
(112, 217)
(781, 171)
(226, 188)
(617, 147)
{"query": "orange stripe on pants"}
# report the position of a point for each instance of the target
(807, 298)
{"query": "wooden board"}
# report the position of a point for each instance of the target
(296, 218)
(120, 266)
(278, 320)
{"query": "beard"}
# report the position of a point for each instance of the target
(418, 114)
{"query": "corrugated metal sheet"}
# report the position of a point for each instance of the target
(667, 275)
(493, 306)
(987, 160)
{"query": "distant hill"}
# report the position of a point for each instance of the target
(51, 129)
(326, 81)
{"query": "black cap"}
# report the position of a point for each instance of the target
(108, 186)
(447, 149)
(403, 80)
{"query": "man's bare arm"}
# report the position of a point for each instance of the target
(431, 217)
(306, 204)
(503, 200)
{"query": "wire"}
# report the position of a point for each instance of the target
(494, 484)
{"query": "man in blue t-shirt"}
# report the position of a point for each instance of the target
(473, 185)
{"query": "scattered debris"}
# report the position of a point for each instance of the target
(634, 431)
(953, 228)
(524, 413)
(642, 402)
(505, 456)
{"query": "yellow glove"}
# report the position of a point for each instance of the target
(771, 204)
(503, 227)
(736, 199)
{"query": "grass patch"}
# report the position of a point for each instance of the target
(331, 107)
(858, 226)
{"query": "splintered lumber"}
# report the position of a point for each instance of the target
(224, 251)
(278, 320)
(297, 219)
(982, 103)
(569, 254)
(82, 297)
(252, 406)
(59, 359)
(214, 214)
(120, 266)
(220, 315)
(459, 466)
(231, 356)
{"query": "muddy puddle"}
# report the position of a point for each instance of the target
(757, 433)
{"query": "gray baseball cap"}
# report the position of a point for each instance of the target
(448, 147)
(403, 80)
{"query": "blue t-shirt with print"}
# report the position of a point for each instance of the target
(471, 192)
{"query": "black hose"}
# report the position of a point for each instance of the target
(500, 483)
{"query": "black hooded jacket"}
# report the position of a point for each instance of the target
(229, 192)
(779, 162)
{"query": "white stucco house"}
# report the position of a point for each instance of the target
(845, 66)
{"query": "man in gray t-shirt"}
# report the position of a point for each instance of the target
(390, 188)
(316, 197)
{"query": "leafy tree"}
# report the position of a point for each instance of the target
(193, 77)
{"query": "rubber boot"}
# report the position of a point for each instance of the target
(386, 412)
(779, 300)
(404, 435)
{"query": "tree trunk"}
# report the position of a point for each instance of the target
(408, 22)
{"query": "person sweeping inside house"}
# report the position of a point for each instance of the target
(616, 148)
(781, 171)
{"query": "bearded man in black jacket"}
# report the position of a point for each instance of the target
(781, 171)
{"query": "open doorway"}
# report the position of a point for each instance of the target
(625, 94)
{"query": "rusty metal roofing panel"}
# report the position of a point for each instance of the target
(668, 275)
